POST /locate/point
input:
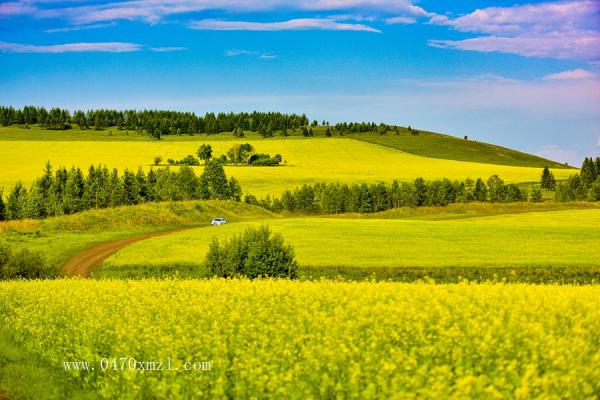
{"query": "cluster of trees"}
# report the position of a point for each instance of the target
(582, 186)
(241, 153)
(68, 191)
(335, 198)
(256, 253)
(578, 187)
(364, 127)
(154, 122)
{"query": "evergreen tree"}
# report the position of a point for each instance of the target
(421, 191)
(213, 178)
(595, 190)
(131, 188)
(17, 202)
(588, 172)
(235, 189)
(548, 182)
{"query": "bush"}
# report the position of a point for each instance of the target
(595, 190)
(23, 263)
(253, 254)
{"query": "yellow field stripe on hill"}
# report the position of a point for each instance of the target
(308, 161)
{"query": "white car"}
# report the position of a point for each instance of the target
(218, 221)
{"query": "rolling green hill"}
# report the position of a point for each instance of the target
(447, 147)
(427, 144)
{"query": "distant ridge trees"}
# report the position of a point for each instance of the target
(154, 122)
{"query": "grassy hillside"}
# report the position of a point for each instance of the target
(59, 238)
(513, 240)
(307, 160)
(427, 144)
(436, 145)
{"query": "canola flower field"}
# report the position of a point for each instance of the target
(533, 239)
(286, 339)
(307, 161)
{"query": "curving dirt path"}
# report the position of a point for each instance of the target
(82, 263)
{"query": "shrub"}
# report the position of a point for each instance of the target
(25, 264)
(536, 196)
(253, 254)
(595, 191)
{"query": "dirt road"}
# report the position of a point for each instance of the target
(83, 263)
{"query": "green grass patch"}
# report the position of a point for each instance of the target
(59, 238)
(436, 145)
(528, 240)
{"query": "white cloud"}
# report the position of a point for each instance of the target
(566, 29)
(167, 49)
(293, 24)
(108, 47)
(81, 27)
(268, 56)
(15, 8)
(573, 74)
(260, 55)
(237, 52)
(153, 11)
(400, 20)
(560, 46)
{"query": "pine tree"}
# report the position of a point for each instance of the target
(588, 172)
(235, 189)
(548, 182)
(17, 200)
(213, 178)
(131, 188)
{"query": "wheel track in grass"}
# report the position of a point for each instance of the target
(84, 262)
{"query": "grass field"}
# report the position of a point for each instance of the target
(452, 148)
(306, 161)
(298, 340)
(544, 239)
(59, 238)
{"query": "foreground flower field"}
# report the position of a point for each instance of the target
(313, 339)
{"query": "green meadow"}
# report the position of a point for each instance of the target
(535, 239)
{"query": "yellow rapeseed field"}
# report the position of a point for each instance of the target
(307, 161)
(302, 340)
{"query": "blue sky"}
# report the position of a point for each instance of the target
(523, 75)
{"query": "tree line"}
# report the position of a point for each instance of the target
(337, 198)
(67, 191)
(154, 122)
(582, 186)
